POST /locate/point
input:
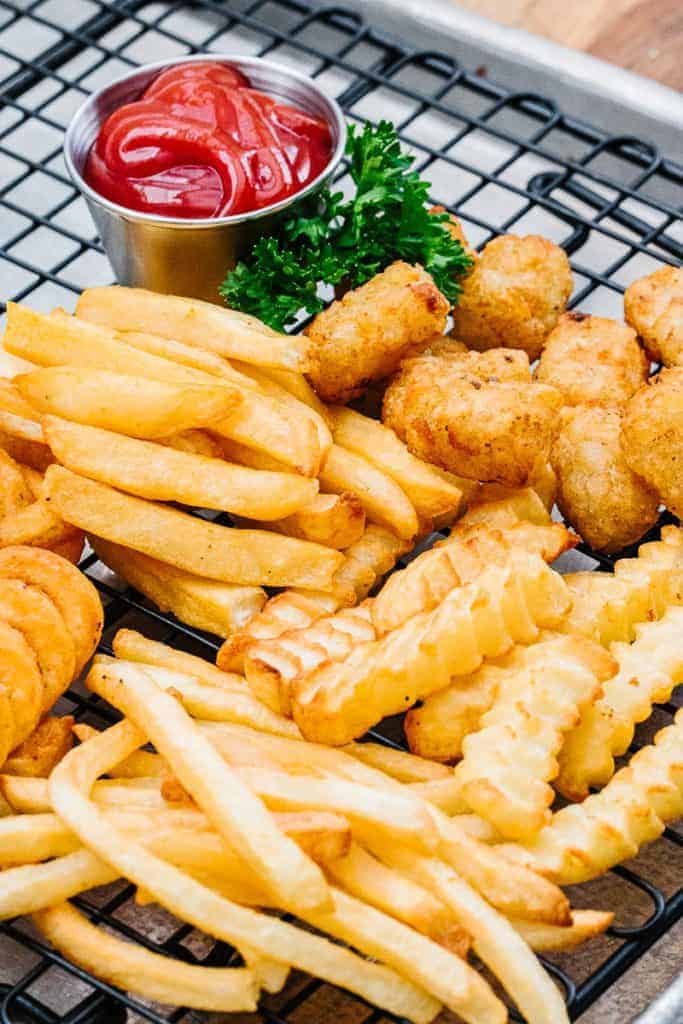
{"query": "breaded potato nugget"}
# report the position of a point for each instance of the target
(479, 415)
(591, 359)
(608, 504)
(653, 306)
(652, 436)
(514, 295)
(364, 336)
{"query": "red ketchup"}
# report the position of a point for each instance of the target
(202, 143)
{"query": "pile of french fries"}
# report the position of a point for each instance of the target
(212, 411)
(257, 796)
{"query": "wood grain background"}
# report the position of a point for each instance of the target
(645, 36)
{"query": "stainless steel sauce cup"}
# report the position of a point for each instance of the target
(177, 255)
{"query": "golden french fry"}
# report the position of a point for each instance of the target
(494, 940)
(383, 500)
(265, 936)
(447, 977)
(648, 670)
(194, 442)
(193, 322)
(584, 840)
(220, 608)
(30, 838)
(132, 646)
(70, 591)
(435, 493)
(189, 543)
(549, 938)
(258, 421)
(399, 764)
(136, 406)
(232, 808)
(164, 474)
(335, 520)
(213, 703)
(140, 765)
(339, 702)
(43, 749)
(145, 973)
(509, 762)
(368, 879)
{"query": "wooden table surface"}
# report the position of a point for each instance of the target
(645, 36)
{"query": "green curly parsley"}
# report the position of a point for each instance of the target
(329, 240)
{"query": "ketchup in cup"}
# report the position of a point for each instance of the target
(202, 143)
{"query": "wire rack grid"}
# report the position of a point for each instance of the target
(504, 161)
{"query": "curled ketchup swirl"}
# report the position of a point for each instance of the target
(202, 143)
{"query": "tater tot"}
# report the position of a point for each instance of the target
(652, 436)
(514, 295)
(654, 308)
(364, 336)
(591, 359)
(597, 492)
(479, 415)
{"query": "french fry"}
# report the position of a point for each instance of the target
(258, 421)
(438, 728)
(140, 764)
(365, 561)
(160, 473)
(548, 938)
(399, 764)
(43, 749)
(383, 500)
(147, 974)
(224, 331)
(273, 666)
(230, 806)
(450, 979)
(220, 608)
(32, 887)
(494, 940)
(458, 560)
(132, 646)
(339, 702)
(30, 838)
(584, 840)
(136, 406)
(368, 879)
(648, 670)
(295, 383)
(508, 763)
(251, 557)
(211, 703)
(72, 594)
(335, 520)
(265, 936)
(434, 493)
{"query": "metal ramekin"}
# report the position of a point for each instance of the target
(171, 254)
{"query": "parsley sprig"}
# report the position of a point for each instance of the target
(329, 240)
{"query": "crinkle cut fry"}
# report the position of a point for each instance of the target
(607, 607)
(195, 903)
(649, 668)
(272, 665)
(339, 702)
(365, 561)
(584, 840)
(509, 762)
(438, 728)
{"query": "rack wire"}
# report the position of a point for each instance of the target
(504, 161)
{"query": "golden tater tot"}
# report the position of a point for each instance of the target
(652, 436)
(653, 306)
(514, 295)
(597, 493)
(479, 415)
(591, 359)
(364, 336)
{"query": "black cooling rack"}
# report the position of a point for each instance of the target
(505, 161)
